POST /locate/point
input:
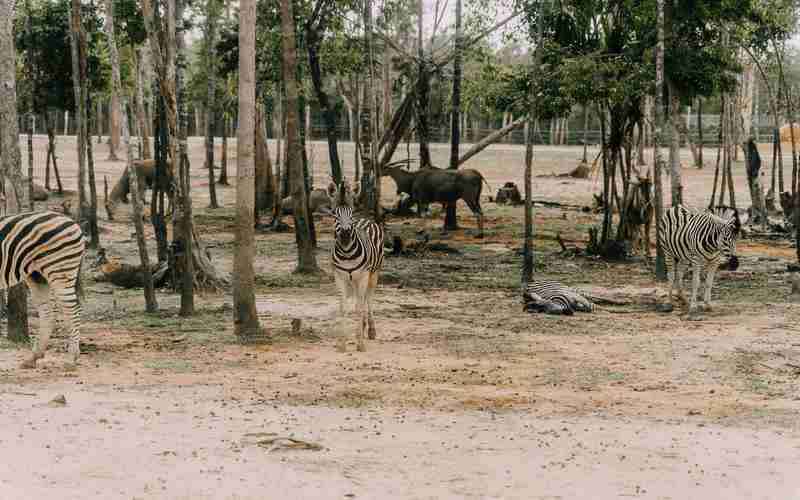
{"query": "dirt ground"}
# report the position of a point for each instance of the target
(463, 395)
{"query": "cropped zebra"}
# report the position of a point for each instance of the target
(552, 297)
(357, 257)
(699, 239)
(45, 250)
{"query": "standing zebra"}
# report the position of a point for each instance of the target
(45, 250)
(357, 257)
(699, 239)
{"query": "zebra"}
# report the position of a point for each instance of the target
(45, 250)
(700, 239)
(357, 257)
(554, 298)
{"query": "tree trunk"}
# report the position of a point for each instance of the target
(114, 132)
(328, 112)
(223, 167)
(51, 144)
(700, 132)
(80, 92)
(306, 259)
(10, 160)
(491, 139)
(450, 220)
(661, 269)
(245, 320)
(675, 145)
(585, 133)
(151, 305)
(423, 95)
(94, 230)
(141, 114)
(212, 12)
(386, 67)
(264, 185)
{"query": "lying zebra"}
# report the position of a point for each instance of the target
(700, 239)
(551, 297)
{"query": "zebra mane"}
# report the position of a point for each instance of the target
(720, 214)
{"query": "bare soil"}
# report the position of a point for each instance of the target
(463, 395)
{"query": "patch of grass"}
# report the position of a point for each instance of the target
(356, 398)
(293, 280)
(205, 326)
(171, 365)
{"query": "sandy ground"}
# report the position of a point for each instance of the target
(461, 396)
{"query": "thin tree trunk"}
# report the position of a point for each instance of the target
(76, 35)
(211, 86)
(141, 114)
(700, 132)
(223, 174)
(114, 133)
(94, 231)
(423, 95)
(151, 305)
(450, 220)
(246, 324)
(10, 160)
(658, 162)
(386, 66)
(585, 133)
(675, 145)
(307, 262)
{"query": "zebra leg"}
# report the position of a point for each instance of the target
(373, 283)
(362, 291)
(709, 283)
(680, 270)
(71, 311)
(40, 292)
(341, 339)
(696, 269)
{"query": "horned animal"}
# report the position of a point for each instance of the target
(433, 185)
(699, 239)
(357, 257)
(45, 250)
(147, 175)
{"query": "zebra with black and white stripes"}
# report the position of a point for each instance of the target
(357, 257)
(700, 239)
(45, 250)
(552, 297)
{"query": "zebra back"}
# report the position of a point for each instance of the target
(687, 234)
(43, 242)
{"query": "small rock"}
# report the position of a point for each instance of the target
(58, 401)
(693, 413)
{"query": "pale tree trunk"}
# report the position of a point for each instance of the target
(245, 318)
(658, 161)
(141, 114)
(387, 86)
(223, 161)
(370, 142)
(212, 12)
(744, 118)
(306, 259)
(10, 160)
(114, 132)
(308, 121)
(675, 145)
(151, 305)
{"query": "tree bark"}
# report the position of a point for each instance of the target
(264, 185)
(245, 322)
(450, 219)
(306, 259)
(313, 40)
(114, 132)
(423, 95)
(675, 145)
(10, 160)
(141, 113)
(80, 91)
(661, 269)
(151, 305)
(94, 230)
(212, 11)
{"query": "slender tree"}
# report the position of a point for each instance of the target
(306, 260)
(658, 161)
(14, 188)
(450, 220)
(245, 321)
(151, 305)
(212, 13)
(80, 90)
